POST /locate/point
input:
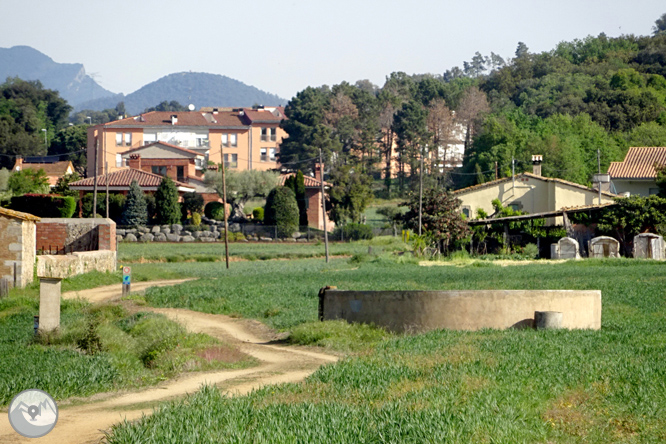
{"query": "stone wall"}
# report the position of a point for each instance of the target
(17, 246)
(419, 311)
(66, 265)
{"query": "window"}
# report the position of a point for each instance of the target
(201, 142)
(180, 174)
(128, 139)
(271, 154)
(119, 160)
(231, 160)
(264, 134)
(119, 139)
(516, 206)
(652, 191)
(161, 170)
(273, 132)
(467, 211)
(233, 139)
(225, 139)
(264, 155)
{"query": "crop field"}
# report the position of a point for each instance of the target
(444, 386)
(214, 251)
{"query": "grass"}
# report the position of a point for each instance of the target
(98, 348)
(444, 386)
(214, 252)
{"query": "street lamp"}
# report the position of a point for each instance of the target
(46, 142)
(89, 119)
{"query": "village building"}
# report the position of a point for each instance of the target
(530, 193)
(636, 173)
(250, 138)
(53, 170)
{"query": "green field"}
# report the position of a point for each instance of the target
(214, 251)
(444, 386)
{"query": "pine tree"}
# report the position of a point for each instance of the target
(166, 202)
(135, 211)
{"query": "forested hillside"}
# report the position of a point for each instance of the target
(597, 93)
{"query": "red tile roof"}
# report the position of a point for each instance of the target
(262, 116)
(310, 182)
(638, 163)
(123, 178)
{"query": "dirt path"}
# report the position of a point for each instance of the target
(84, 423)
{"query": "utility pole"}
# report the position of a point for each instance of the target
(94, 209)
(323, 200)
(421, 193)
(513, 176)
(224, 202)
(599, 171)
(496, 175)
(106, 180)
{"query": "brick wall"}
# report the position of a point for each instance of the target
(68, 235)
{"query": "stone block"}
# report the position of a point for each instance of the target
(130, 238)
(173, 237)
(49, 304)
(155, 229)
(187, 239)
(160, 237)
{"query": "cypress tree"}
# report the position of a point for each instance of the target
(297, 184)
(281, 210)
(135, 210)
(166, 202)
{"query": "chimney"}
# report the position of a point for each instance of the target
(18, 166)
(317, 171)
(135, 161)
(174, 119)
(536, 164)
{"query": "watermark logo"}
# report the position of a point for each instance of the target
(33, 413)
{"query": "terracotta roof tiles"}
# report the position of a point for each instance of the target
(310, 182)
(123, 178)
(638, 163)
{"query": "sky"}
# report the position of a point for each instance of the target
(284, 46)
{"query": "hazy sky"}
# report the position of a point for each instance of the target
(283, 46)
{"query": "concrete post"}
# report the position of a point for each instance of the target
(49, 304)
(547, 320)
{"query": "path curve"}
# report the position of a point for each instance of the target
(278, 364)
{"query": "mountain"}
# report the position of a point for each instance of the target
(200, 89)
(70, 79)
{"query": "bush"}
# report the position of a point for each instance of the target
(281, 210)
(214, 210)
(196, 219)
(44, 205)
(258, 214)
(192, 203)
(353, 232)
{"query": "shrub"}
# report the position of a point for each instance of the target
(214, 210)
(353, 232)
(44, 205)
(135, 210)
(166, 203)
(196, 219)
(281, 210)
(192, 203)
(258, 214)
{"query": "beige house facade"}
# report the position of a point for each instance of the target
(530, 193)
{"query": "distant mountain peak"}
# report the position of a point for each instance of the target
(69, 79)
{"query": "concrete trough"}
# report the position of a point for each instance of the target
(420, 311)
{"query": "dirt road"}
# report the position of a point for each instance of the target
(84, 423)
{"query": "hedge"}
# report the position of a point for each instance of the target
(214, 210)
(44, 205)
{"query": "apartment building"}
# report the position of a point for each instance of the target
(244, 138)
